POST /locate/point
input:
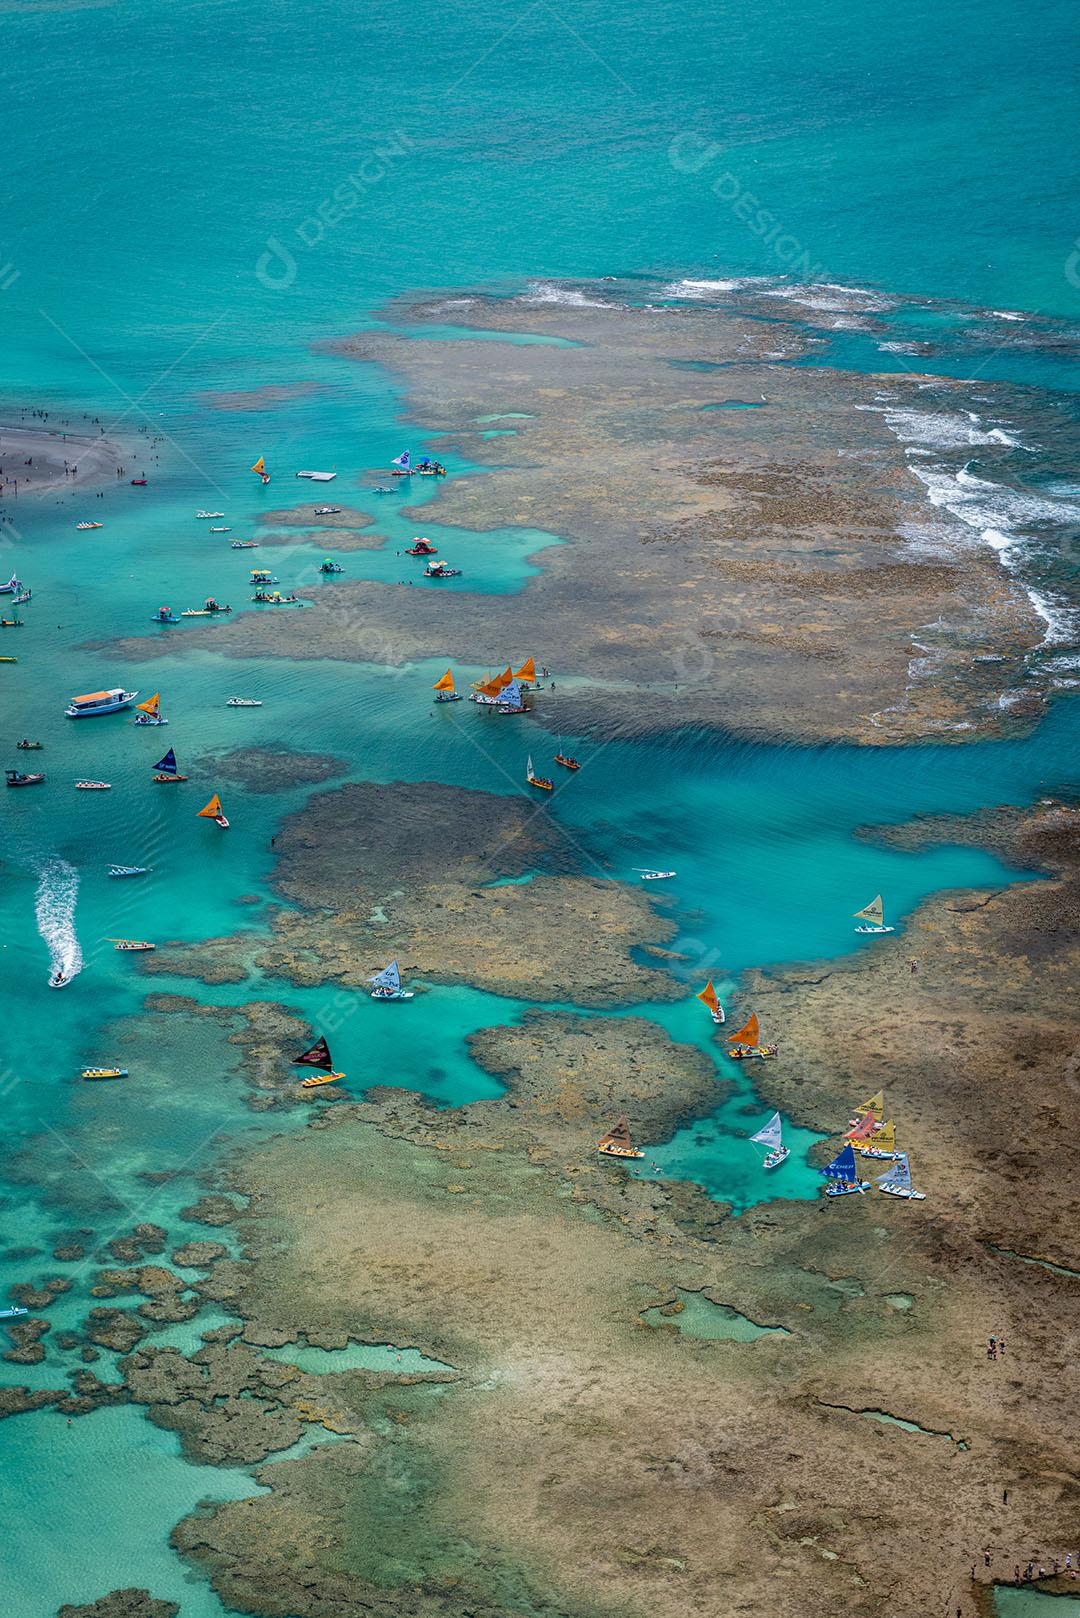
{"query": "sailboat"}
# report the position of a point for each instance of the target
(873, 915)
(862, 1130)
(260, 467)
(743, 1044)
(149, 713)
(567, 760)
(876, 1105)
(535, 780)
(213, 811)
(708, 997)
(388, 984)
(401, 464)
(771, 1136)
(896, 1182)
(444, 688)
(166, 768)
(881, 1144)
(512, 701)
(617, 1142)
(527, 672)
(317, 1057)
(843, 1174)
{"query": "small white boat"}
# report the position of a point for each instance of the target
(318, 477)
(896, 1182)
(58, 981)
(220, 530)
(83, 526)
(12, 1311)
(97, 702)
(244, 544)
(771, 1137)
(244, 702)
(93, 786)
(655, 876)
(387, 984)
(327, 511)
(129, 870)
(873, 915)
(202, 515)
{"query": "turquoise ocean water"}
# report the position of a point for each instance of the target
(238, 184)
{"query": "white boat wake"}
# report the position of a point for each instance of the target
(54, 907)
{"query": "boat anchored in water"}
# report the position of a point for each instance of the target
(202, 515)
(880, 1144)
(209, 609)
(243, 702)
(129, 870)
(104, 1073)
(166, 769)
(99, 702)
(327, 511)
(844, 1175)
(244, 544)
(83, 527)
(164, 615)
(387, 984)
(535, 780)
(149, 713)
(330, 566)
(29, 747)
(707, 996)
(317, 1057)
(421, 547)
(220, 528)
(93, 786)
(24, 778)
(262, 575)
(771, 1136)
(134, 945)
(23, 596)
(444, 688)
(13, 1311)
(440, 570)
(649, 875)
(617, 1141)
(873, 915)
(744, 1044)
(213, 811)
(896, 1182)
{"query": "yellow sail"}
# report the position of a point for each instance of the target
(874, 912)
(748, 1034)
(151, 707)
(876, 1105)
(708, 994)
(885, 1137)
(445, 684)
(527, 671)
(213, 809)
(260, 465)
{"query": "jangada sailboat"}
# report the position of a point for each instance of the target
(875, 1105)
(444, 688)
(881, 1144)
(744, 1044)
(873, 915)
(387, 984)
(771, 1136)
(213, 811)
(896, 1182)
(317, 1057)
(535, 780)
(708, 997)
(843, 1174)
(617, 1141)
(166, 769)
(149, 713)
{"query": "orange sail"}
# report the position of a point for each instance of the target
(213, 810)
(445, 684)
(490, 688)
(151, 707)
(260, 465)
(527, 671)
(501, 681)
(708, 994)
(748, 1034)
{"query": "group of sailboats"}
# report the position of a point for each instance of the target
(506, 692)
(386, 985)
(870, 1135)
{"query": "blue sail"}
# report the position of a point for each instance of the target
(898, 1175)
(168, 763)
(842, 1166)
(388, 978)
(402, 460)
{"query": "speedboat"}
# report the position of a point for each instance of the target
(93, 786)
(244, 702)
(221, 530)
(327, 511)
(59, 981)
(21, 778)
(244, 544)
(135, 944)
(204, 514)
(129, 870)
(83, 526)
(29, 747)
(98, 702)
(138, 483)
(104, 1073)
(656, 876)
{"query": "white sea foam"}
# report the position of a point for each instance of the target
(691, 289)
(829, 297)
(945, 431)
(570, 297)
(57, 893)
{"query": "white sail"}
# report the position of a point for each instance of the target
(772, 1134)
(388, 978)
(529, 768)
(874, 911)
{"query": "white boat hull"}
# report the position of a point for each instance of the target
(773, 1160)
(875, 929)
(903, 1192)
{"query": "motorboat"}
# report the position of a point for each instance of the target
(93, 786)
(136, 945)
(82, 527)
(202, 515)
(244, 544)
(209, 609)
(11, 623)
(650, 875)
(327, 511)
(137, 483)
(243, 702)
(99, 702)
(29, 747)
(129, 870)
(104, 1073)
(59, 981)
(220, 529)
(23, 778)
